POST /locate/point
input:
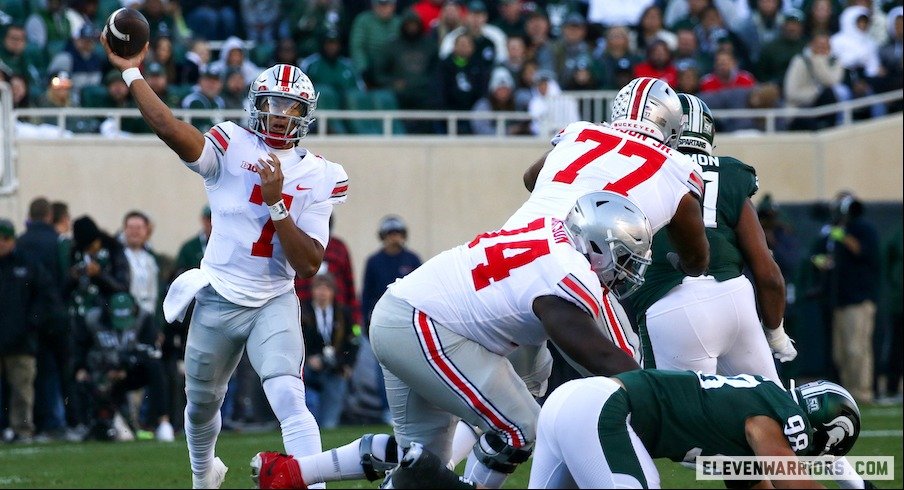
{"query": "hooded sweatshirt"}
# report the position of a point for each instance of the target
(249, 70)
(855, 48)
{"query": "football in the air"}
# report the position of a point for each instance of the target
(127, 32)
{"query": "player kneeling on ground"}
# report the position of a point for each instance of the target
(441, 335)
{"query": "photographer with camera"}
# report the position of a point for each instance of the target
(846, 257)
(331, 343)
(98, 270)
(117, 352)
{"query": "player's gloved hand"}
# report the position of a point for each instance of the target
(782, 346)
(837, 233)
(822, 261)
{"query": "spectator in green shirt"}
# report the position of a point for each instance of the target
(328, 68)
(371, 39)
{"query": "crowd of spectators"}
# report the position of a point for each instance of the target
(85, 352)
(449, 54)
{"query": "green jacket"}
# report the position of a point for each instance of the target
(775, 58)
(338, 74)
(370, 45)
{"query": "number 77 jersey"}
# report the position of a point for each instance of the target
(484, 290)
(591, 157)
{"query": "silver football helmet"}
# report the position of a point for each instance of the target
(282, 103)
(648, 106)
(615, 236)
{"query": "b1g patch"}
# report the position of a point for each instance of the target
(812, 405)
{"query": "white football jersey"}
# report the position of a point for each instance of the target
(484, 290)
(591, 157)
(244, 259)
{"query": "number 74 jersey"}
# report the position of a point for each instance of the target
(484, 290)
(591, 157)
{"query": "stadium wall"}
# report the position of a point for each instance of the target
(446, 189)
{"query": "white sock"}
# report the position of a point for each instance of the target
(462, 443)
(301, 437)
(341, 463)
(855, 482)
(300, 433)
(201, 441)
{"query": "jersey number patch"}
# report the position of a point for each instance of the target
(502, 257)
(710, 197)
(606, 143)
(795, 431)
(263, 247)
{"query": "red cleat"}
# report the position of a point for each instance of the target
(276, 470)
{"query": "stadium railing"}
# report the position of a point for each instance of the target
(589, 105)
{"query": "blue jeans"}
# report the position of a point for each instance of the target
(50, 413)
(326, 401)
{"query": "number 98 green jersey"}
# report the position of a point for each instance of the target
(681, 414)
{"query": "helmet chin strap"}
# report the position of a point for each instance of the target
(277, 143)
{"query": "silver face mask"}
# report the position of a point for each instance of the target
(615, 236)
(280, 117)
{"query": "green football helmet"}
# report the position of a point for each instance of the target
(699, 129)
(832, 413)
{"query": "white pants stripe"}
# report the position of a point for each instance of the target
(453, 377)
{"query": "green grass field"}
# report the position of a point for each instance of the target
(148, 464)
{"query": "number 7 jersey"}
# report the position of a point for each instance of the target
(591, 157)
(484, 290)
(244, 259)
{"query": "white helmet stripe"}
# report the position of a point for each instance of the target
(639, 98)
(820, 390)
(696, 117)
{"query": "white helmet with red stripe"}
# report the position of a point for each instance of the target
(282, 102)
(649, 106)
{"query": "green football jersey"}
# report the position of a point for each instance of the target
(681, 414)
(728, 183)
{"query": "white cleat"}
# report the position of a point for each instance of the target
(214, 478)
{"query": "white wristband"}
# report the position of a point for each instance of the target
(278, 211)
(129, 75)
